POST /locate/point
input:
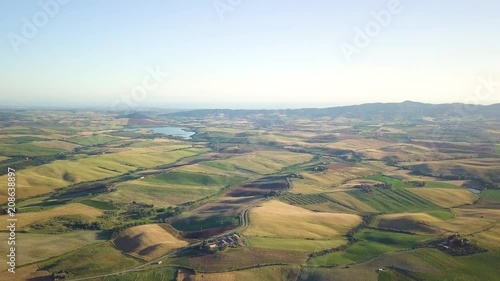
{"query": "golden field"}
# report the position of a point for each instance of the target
(148, 241)
(278, 219)
(24, 219)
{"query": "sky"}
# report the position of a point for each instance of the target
(247, 53)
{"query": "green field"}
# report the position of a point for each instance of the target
(196, 224)
(192, 179)
(372, 243)
(441, 214)
(45, 178)
(220, 165)
(491, 195)
(395, 182)
(156, 194)
(393, 200)
(481, 266)
(30, 247)
(95, 259)
(163, 274)
(92, 140)
(26, 139)
(266, 162)
(301, 245)
(306, 199)
(27, 149)
(171, 188)
(439, 184)
(497, 148)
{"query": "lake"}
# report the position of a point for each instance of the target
(171, 131)
(473, 190)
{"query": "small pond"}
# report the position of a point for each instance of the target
(473, 190)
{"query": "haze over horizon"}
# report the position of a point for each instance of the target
(248, 54)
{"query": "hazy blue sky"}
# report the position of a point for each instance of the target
(249, 53)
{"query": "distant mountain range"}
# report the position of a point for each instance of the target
(404, 110)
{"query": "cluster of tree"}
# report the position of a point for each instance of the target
(485, 181)
(456, 245)
(296, 176)
(319, 168)
(69, 223)
(328, 251)
(368, 187)
(390, 161)
(271, 143)
(417, 183)
(67, 176)
(367, 219)
(139, 211)
(108, 214)
(165, 213)
(346, 155)
(274, 193)
(298, 150)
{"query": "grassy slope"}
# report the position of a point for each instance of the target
(92, 140)
(259, 273)
(491, 195)
(395, 182)
(266, 162)
(409, 222)
(446, 197)
(69, 209)
(372, 243)
(27, 149)
(439, 184)
(348, 200)
(30, 249)
(170, 189)
(206, 223)
(95, 259)
(482, 266)
(45, 178)
(303, 245)
(164, 274)
(393, 200)
(278, 219)
(147, 241)
(192, 179)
